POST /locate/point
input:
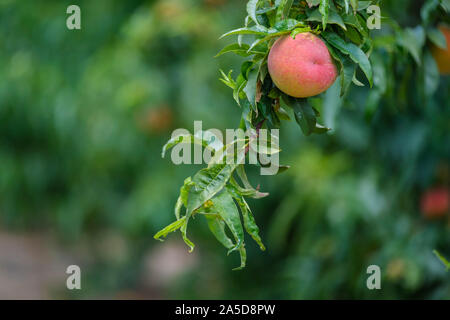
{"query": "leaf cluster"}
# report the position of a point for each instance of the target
(342, 26)
(215, 193)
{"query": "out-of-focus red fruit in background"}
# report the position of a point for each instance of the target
(435, 202)
(442, 56)
(156, 119)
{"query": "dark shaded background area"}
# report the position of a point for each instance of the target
(83, 117)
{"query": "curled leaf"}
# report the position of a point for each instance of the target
(217, 227)
(174, 226)
(224, 205)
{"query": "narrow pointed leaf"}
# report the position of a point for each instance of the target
(240, 170)
(355, 53)
(174, 226)
(250, 87)
(251, 10)
(255, 30)
(217, 227)
(324, 9)
(249, 220)
(242, 50)
(303, 112)
(225, 206)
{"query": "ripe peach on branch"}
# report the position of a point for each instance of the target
(301, 67)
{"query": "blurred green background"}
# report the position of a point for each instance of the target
(83, 117)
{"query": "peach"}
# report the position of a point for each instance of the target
(301, 67)
(442, 56)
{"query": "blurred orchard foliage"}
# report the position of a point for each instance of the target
(84, 114)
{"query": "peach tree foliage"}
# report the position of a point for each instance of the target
(215, 192)
(218, 192)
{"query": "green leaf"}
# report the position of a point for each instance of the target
(283, 168)
(217, 227)
(283, 9)
(319, 129)
(178, 206)
(324, 11)
(227, 79)
(250, 87)
(250, 224)
(282, 114)
(333, 18)
(207, 183)
(303, 112)
(240, 170)
(251, 10)
(266, 10)
(183, 230)
(254, 30)
(245, 68)
(354, 36)
(431, 74)
(445, 4)
(356, 82)
(249, 221)
(184, 190)
(240, 36)
(437, 37)
(242, 50)
(263, 69)
(346, 6)
(427, 10)
(348, 69)
(352, 20)
(174, 226)
(224, 205)
(355, 53)
(354, 4)
(362, 5)
(268, 37)
(297, 31)
(183, 200)
(240, 84)
(243, 255)
(331, 105)
(412, 40)
(286, 25)
(251, 192)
